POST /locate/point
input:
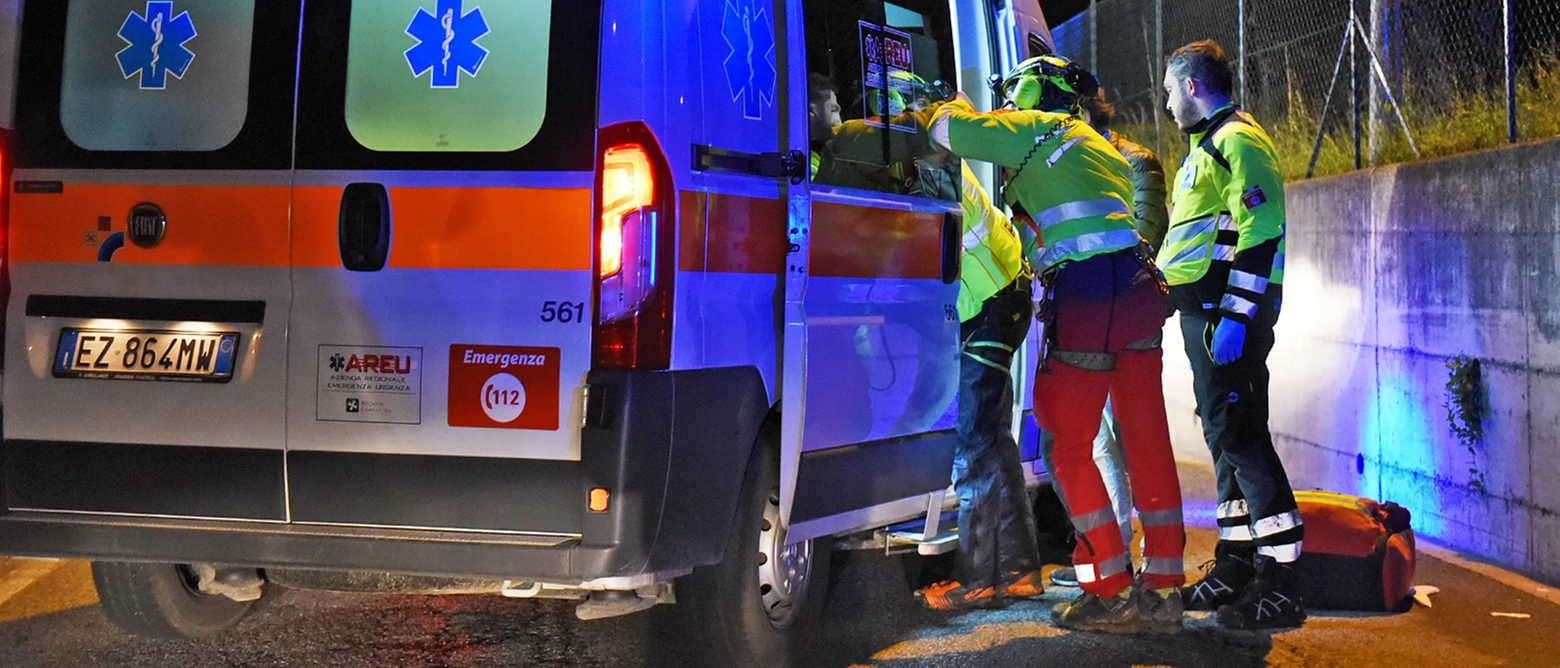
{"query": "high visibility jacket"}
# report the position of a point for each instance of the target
(865, 153)
(1073, 185)
(1224, 253)
(1148, 182)
(993, 256)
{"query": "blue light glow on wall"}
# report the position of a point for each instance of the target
(1396, 438)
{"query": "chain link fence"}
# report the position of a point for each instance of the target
(1339, 84)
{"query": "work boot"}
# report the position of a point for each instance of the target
(1066, 576)
(1117, 614)
(1232, 571)
(1271, 601)
(951, 596)
(1024, 585)
(1161, 610)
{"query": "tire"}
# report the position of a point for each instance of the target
(161, 601)
(728, 605)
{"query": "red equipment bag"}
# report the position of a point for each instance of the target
(1358, 554)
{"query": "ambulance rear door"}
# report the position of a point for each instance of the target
(871, 329)
(441, 262)
(145, 336)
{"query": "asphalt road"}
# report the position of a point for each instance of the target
(49, 617)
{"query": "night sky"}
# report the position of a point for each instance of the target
(1058, 11)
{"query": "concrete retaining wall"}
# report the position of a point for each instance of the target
(1390, 273)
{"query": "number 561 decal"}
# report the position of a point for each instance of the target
(554, 311)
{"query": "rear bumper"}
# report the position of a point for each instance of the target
(671, 447)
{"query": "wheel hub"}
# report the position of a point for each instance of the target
(783, 570)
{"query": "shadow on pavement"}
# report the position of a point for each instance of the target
(887, 628)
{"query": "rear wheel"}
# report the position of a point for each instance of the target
(757, 607)
(162, 601)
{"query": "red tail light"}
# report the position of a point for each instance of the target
(635, 232)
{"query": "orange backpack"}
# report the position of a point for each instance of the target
(1358, 554)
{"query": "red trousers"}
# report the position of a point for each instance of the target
(1102, 305)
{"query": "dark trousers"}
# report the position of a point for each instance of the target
(1256, 505)
(996, 523)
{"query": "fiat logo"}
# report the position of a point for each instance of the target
(147, 225)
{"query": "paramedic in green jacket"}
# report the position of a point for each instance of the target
(1102, 311)
(1224, 260)
(1148, 183)
(998, 556)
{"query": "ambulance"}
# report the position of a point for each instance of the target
(542, 298)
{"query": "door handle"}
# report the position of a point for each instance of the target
(363, 227)
(952, 246)
(792, 165)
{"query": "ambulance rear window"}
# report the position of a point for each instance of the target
(132, 80)
(156, 84)
(440, 80)
(448, 85)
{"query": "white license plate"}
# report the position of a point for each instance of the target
(146, 355)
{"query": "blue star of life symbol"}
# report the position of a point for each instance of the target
(447, 42)
(156, 45)
(750, 67)
(337, 362)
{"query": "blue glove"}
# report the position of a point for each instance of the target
(1228, 340)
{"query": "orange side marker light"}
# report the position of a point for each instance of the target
(599, 497)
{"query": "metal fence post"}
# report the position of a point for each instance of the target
(1159, 59)
(1511, 71)
(1240, 31)
(1354, 91)
(1380, 36)
(1094, 36)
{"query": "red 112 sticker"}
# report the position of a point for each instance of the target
(506, 387)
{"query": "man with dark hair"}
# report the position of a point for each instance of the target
(1224, 260)
(823, 116)
(1148, 182)
(823, 106)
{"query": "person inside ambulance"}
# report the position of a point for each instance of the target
(1102, 308)
(887, 150)
(823, 116)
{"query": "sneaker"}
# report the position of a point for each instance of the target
(1232, 571)
(1117, 614)
(1026, 586)
(1066, 576)
(1161, 610)
(953, 596)
(1269, 602)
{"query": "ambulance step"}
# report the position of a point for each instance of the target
(944, 542)
(903, 537)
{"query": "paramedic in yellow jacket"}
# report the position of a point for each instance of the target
(998, 556)
(1224, 260)
(1103, 310)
